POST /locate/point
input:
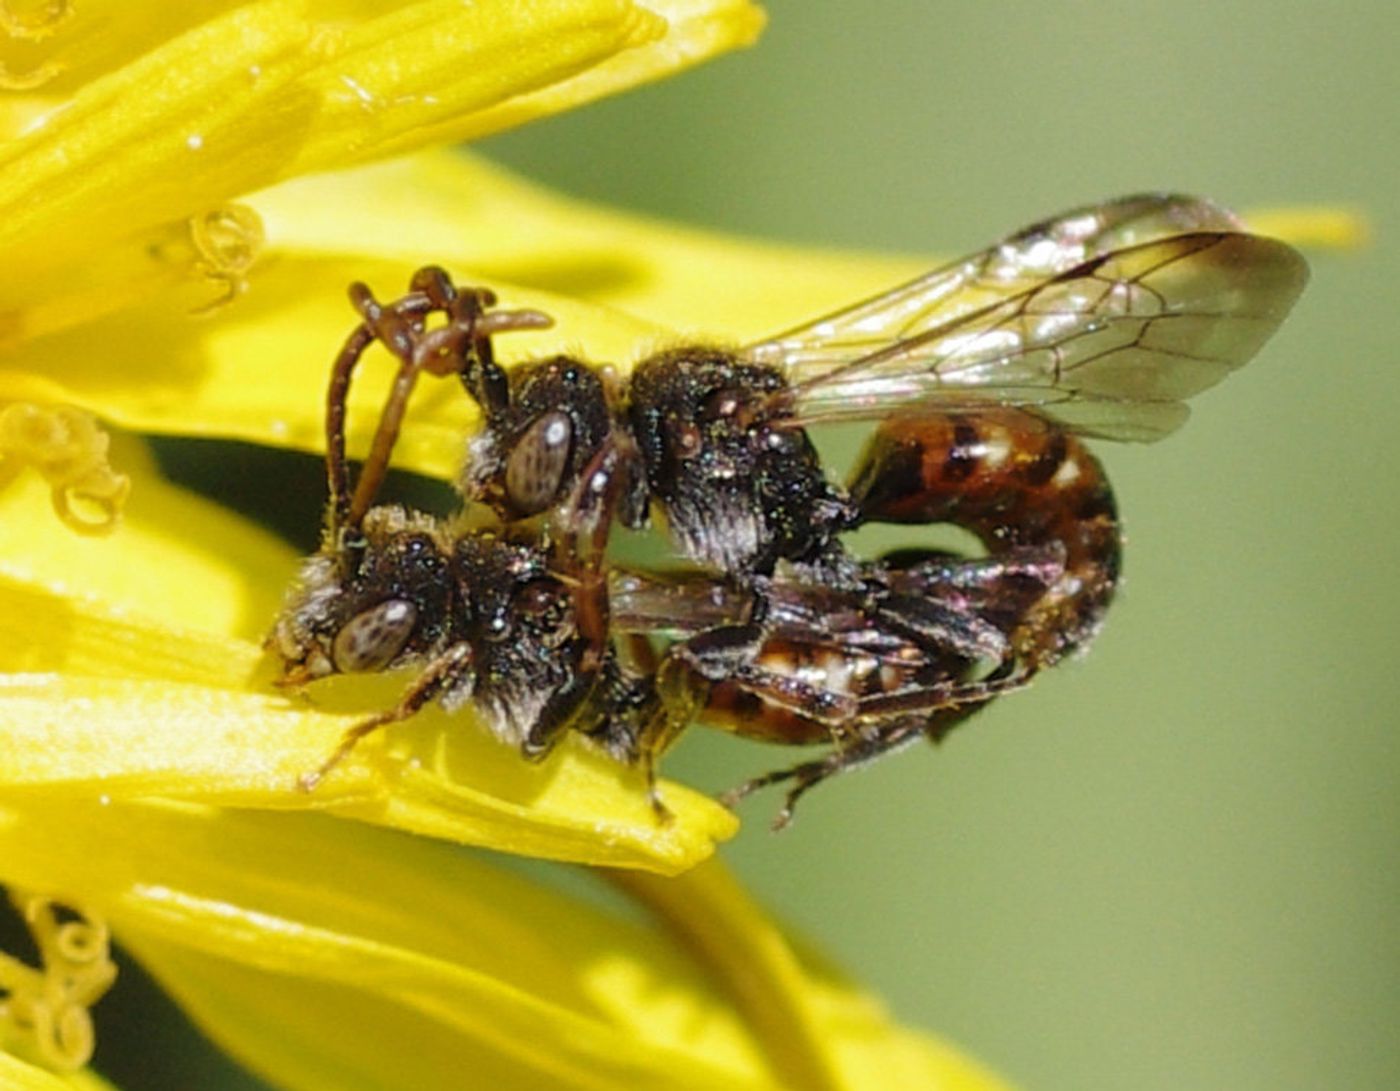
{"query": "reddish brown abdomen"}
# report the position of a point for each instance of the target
(1013, 479)
(839, 672)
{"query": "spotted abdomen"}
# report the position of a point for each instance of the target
(1013, 479)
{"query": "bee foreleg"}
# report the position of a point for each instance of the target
(439, 673)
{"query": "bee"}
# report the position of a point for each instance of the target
(1107, 318)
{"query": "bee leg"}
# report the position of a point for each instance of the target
(944, 629)
(571, 705)
(626, 701)
(934, 699)
(441, 672)
(998, 591)
(834, 709)
(598, 700)
(585, 701)
(877, 740)
(682, 683)
(892, 736)
(678, 696)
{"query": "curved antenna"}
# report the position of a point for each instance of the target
(373, 327)
(461, 346)
(337, 472)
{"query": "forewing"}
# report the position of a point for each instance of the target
(1077, 316)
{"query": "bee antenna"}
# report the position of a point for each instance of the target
(394, 325)
(462, 346)
(376, 464)
(337, 469)
(472, 354)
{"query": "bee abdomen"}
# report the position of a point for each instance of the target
(829, 675)
(1013, 479)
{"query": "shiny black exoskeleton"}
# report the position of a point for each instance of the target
(739, 491)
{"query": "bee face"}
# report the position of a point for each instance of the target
(379, 601)
(532, 451)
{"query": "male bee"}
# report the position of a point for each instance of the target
(478, 611)
(1106, 317)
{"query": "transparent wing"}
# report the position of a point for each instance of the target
(1106, 317)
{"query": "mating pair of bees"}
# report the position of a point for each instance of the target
(980, 379)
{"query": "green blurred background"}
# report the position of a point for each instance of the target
(1174, 864)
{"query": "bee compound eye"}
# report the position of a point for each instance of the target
(369, 641)
(535, 468)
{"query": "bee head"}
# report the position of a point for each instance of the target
(536, 445)
(377, 598)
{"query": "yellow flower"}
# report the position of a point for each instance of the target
(146, 766)
(330, 957)
(278, 931)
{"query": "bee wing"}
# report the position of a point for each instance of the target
(1106, 317)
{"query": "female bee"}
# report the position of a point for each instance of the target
(1106, 318)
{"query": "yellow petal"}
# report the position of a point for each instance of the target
(284, 935)
(132, 668)
(18, 1075)
(440, 776)
(185, 560)
(272, 89)
(818, 1030)
(1314, 226)
(258, 369)
(282, 932)
(187, 269)
(459, 211)
(300, 1032)
(572, 53)
(159, 137)
(695, 31)
(52, 47)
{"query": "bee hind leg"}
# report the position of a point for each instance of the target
(682, 684)
(850, 755)
(877, 740)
